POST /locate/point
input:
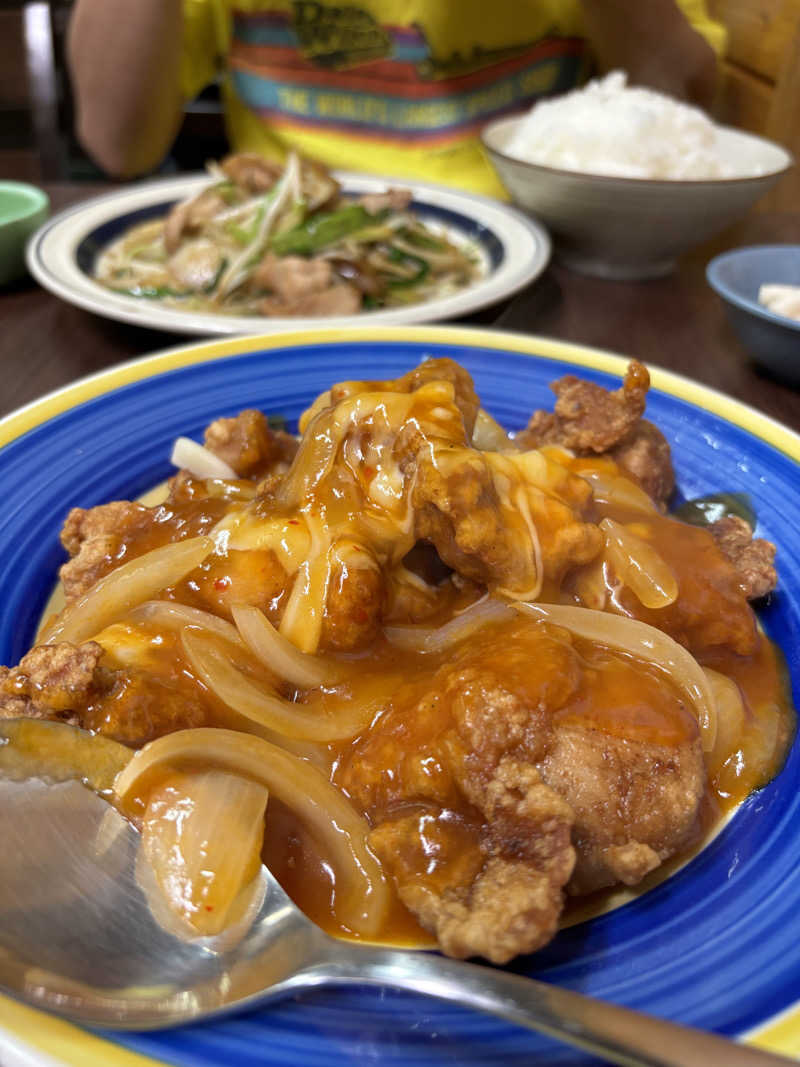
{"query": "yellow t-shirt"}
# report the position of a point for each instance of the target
(395, 87)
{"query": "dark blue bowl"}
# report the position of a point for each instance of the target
(773, 340)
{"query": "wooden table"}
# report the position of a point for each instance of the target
(675, 322)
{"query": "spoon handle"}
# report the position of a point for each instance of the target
(619, 1034)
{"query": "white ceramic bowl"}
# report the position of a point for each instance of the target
(631, 228)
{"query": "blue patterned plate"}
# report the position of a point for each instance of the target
(716, 945)
(512, 250)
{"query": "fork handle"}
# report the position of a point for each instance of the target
(621, 1035)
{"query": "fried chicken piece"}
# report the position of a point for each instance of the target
(51, 682)
(431, 370)
(488, 882)
(752, 558)
(521, 769)
(591, 420)
(635, 803)
(588, 418)
(247, 443)
(96, 538)
(354, 606)
(68, 683)
(645, 453)
(457, 509)
(711, 610)
(136, 707)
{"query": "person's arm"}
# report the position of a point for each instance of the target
(124, 58)
(655, 43)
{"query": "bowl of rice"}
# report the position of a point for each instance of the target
(628, 179)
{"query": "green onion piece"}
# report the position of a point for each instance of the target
(212, 285)
(422, 265)
(227, 191)
(323, 229)
(423, 240)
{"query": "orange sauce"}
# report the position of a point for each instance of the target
(400, 766)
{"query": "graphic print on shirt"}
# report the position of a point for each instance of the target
(337, 69)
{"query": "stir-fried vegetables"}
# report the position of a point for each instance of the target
(261, 240)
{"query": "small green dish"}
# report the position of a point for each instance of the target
(23, 208)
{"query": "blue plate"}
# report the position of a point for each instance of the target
(714, 946)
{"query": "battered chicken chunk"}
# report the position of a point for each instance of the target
(249, 445)
(590, 420)
(431, 370)
(524, 734)
(458, 509)
(51, 682)
(752, 558)
(68, 683)
(635, 803)
(95, 538)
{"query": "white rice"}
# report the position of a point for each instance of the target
(608, 128)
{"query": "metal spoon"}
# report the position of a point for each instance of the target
(78, 937)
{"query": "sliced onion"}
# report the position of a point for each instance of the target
(200, 461)
(644, 642)
(304, 722)
(202, 833)
(330, 817)
(731, 719)
(170, 615)
(125, 588)
(616, 489)
(277, 653)
(489, 435)
(639, 565)
(425, 639)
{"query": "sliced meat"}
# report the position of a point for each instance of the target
(753, 559)
(190, 216)
(301, 286)
(248, 444)
(251, 172)
(293, 278)
(255, 174)
(394, 199)
(340, 298)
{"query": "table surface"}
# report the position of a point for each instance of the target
(676, 322)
